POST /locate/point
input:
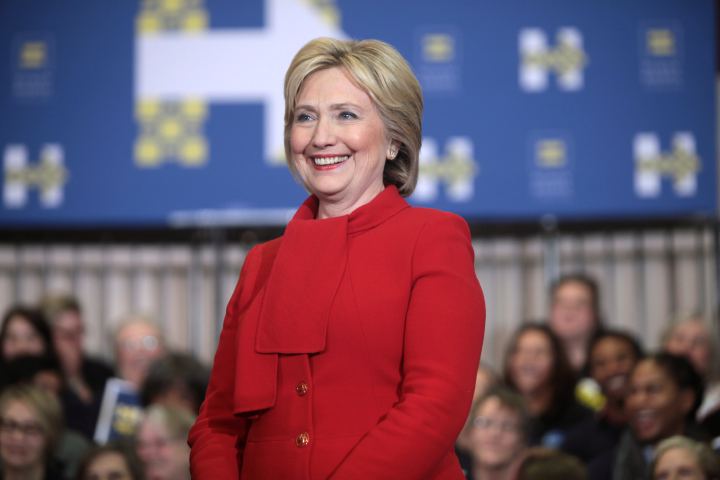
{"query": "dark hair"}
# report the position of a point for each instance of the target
(37, 321)
(52, 306)
(176, 371)
(510, 400)
(617, 335)
(562, 377)
(130, 457)
(586, 281)
(683, 375)
(547, 464)
(23, 369)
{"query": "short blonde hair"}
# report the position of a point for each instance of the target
(46, 407)
(379, 70)
(704, 456)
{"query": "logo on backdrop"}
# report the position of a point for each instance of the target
(681, 164)
(33, 66)
(48, 175)
(183, 66)
(456, 169)
(661, 55)
(438, 59)
(566, 60)
(551, 172)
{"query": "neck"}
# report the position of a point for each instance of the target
(539, 401)
(577, 352)
(35, 472)
(615, 411)
(330, 208)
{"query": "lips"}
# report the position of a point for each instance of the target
(644, 421)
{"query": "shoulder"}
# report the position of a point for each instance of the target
(424, 219)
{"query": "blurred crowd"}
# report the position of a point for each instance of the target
(574, 399)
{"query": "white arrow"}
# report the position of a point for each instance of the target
(231, 66)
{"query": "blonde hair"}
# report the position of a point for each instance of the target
(379, 70)
(48, 411)
(176, 420)
(704, 456)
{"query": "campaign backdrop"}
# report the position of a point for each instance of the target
(170, 112)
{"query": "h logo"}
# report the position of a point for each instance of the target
(537, 59)
(48, 176)
(681, 164)
(456, 169)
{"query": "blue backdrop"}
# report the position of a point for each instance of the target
(170, 111)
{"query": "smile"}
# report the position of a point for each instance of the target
(325, 161)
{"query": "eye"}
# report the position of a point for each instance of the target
(345, 115)
(303, 117)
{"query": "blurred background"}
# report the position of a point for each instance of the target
(142, 145)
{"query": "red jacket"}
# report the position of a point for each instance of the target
(349, 351)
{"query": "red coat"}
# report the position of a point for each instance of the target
(349, 351)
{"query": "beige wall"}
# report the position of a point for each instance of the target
(644, 278)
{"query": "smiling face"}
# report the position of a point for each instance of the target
(531, 362)
(677, 464)
(21, 339)
(496, 436)
(691, 339)
(338, 141)
(611, 361)
(164, 457)
(656, 407)
(572, 316)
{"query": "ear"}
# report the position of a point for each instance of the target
(392, 150)
(687, 400)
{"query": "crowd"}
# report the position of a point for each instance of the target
(574, 399)
(577, 399)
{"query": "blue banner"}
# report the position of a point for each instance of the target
(170, 112)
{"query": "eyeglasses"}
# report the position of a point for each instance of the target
(485, 423)
(148, 342)
(29, 429)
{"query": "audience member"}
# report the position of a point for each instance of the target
(536, 367)
(665, 393)
(498, 436)
(30, 426)
(24, 331)
(548, 464)
(176, 379)
(110, 462)
(85, 377)
(138, 342)
(613, 355)
(485, 378)
(575, 315)
(681, 458)
(162, 443)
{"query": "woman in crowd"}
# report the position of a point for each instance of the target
(681, 458)
(350, 346)
(161, 443)
(536, 367)
(177, 379)
(485, 378)
(548, 464)
(30, 425)
(498, 435)
(24, 331)
(613, 355)
(110, 462)
(665, 393)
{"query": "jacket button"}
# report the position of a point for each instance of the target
(302, 440)
(302, 388)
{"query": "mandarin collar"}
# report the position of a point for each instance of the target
(385, 205)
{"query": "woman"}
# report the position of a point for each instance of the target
(30, 425)
(680, 457)
(536, 367)
(161, 443)
(498, 436)
(25, 331)
(110, 462)
(665, 393)
(350, 345)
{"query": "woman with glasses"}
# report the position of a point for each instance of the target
(498, 435)
(30, 425)
(161, 442)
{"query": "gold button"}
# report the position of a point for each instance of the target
(302, 440)
(302, 388)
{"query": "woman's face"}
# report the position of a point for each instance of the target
(21, 339)
(656, 407)
(571, 315)
(338, 140)
(691, 339)
(677, 464)
(164, 457)
(22, 439)
(611, 361)
(108, 466)
(531, 362)
(496, 436)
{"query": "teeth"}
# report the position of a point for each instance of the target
(329, 160)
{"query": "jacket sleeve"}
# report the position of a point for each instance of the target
(443, 338)
(217, 438)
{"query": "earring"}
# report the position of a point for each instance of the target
(393, 153)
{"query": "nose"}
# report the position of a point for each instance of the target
(324, 134)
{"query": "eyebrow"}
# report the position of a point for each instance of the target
(334, 106)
